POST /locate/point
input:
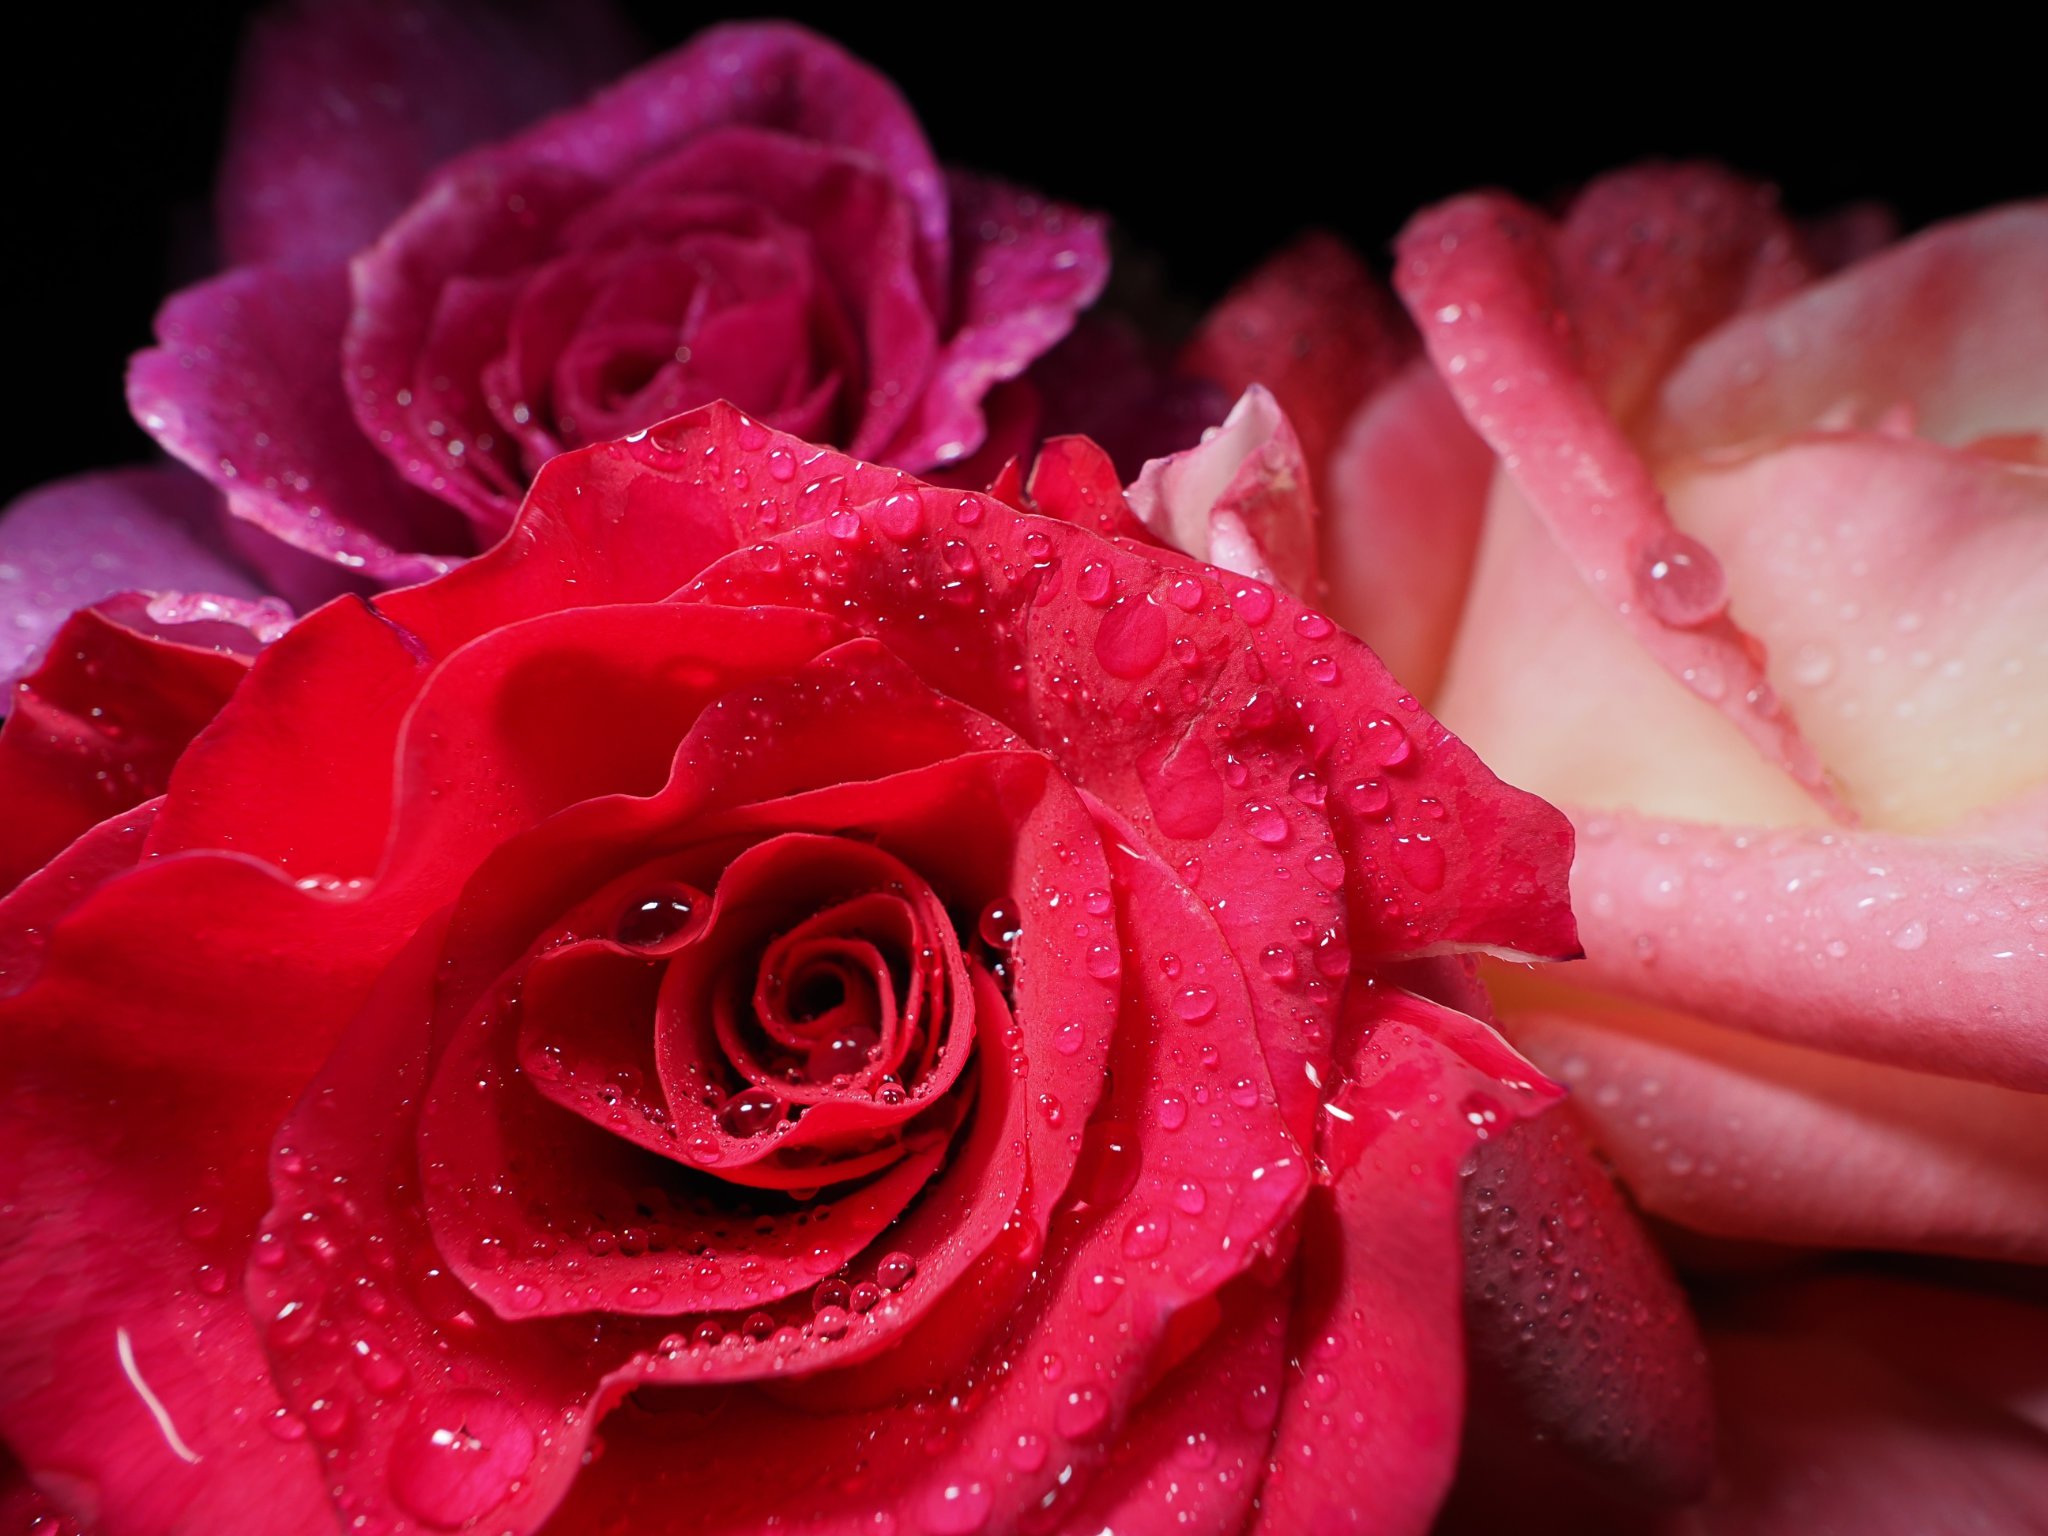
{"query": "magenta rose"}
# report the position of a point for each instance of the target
(755, 217)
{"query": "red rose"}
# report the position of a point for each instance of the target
(754, 217)
(779, 994)
(1730, 534)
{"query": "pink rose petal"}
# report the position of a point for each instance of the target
(1735, 1134)
(1477, 274)
(1241, 499)
(1930, 953)
(1404, 495)
(1952, 323)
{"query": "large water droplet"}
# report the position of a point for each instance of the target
(457, 1456)
(958, 1508)
(751, 1111)
(654, 918)
(1679, 580)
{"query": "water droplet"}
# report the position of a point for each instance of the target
(655, 918)
(1081, 1414)
(1812, 665)
(1312, 625)
(901, 516)
(457, 1456)
(1267, 823)
(1910, 936)
(1095, 583)
(751, 1111)
(895, 1271)
(1277, 961)
(1194, 1003)
(1173, 1111)
(846, 1052)
(1679, 580)
(958, 1508)
(1145, 1236)
(999, 924)
(1133, 638)
(1191, 1197)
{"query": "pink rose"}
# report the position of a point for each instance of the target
(755, 217)
(1730, 535)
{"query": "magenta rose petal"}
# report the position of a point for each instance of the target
(1921, 952)
(1367, 1431)
(265, 419)
(66, 545)
(1023, 268)
(1787, 1144)
(1477, 274)
(1948, 324)
(1405, 486)
(342, 110)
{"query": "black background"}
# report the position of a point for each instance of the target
(1211, 141)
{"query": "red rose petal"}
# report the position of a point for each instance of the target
(1477, 273)
(34, 907)
(1367, 1432)
(1570, 1307)
(96, 729)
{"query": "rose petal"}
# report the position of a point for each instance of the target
(1476, 273)
(1652, 258)
(1241, 499)
(97, 729)
(136, 1391)
(1950, 322)
(1317, 329)
(1593, 1340)
(1820, 1435)
(1405, 488)
(1023, 268)
(243, 386)
(1368, 1426)
(1902, 591)
(341, 110)
(66, 545)
(1922, 952)
(1747, 1137)
(34, 907)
